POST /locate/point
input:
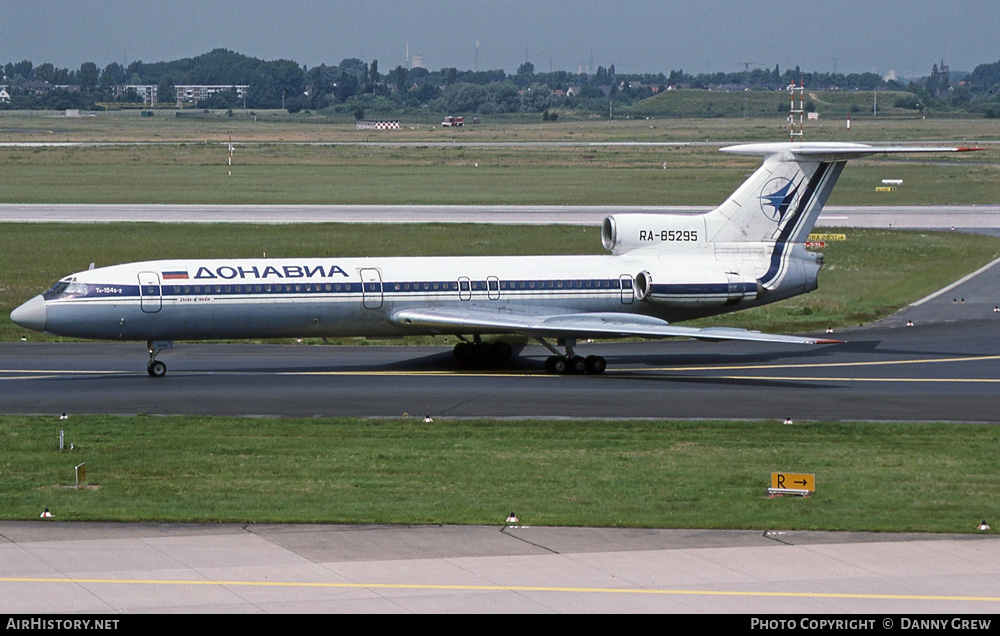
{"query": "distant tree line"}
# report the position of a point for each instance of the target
(358, 87)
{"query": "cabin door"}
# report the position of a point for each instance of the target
(371, 288)
(150, 298)
(628, 293)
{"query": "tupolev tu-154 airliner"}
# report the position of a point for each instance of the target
(662, 268)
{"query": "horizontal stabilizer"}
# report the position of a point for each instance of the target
(829, 151)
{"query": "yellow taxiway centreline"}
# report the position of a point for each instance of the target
(803, 378)
(22, 374)
(503, 588)
(824, 365)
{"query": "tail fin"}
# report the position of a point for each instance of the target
(777, 205)
(781, 201)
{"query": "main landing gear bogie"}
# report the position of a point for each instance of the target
(570, 363)
(575, 365)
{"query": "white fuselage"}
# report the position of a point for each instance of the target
(265, 298)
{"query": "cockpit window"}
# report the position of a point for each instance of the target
(66, 288)
(59, 287)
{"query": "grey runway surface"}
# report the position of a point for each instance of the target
(942, 371)
(923, 217)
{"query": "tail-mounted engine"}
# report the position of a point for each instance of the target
(625, 232)
(711, 290)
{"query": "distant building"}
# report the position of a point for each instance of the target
(575, 91)
(36, 87)
(655, 88)
(147, 93)
(194, 93)
(4, 96)
(42, 88)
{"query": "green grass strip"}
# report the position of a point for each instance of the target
(712, 474)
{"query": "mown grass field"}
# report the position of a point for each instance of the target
(610, 162)
(603, 175)
(882, 477)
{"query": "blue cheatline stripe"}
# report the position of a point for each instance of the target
(408, 288)
(782, 245)
(439, 290)
(706, 289)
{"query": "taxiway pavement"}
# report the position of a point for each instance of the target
(931, 371)
(104, 569)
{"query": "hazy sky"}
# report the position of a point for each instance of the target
(906, 36)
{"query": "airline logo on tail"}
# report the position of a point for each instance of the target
(778, 195)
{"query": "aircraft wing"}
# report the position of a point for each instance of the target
(578, 325)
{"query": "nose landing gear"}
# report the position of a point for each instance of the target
(156, 368)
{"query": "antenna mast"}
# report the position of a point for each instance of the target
(746, 87)
(793, 134)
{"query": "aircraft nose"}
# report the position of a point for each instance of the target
(30, 315)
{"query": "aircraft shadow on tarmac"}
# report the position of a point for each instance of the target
(710, 358)
(445, 362)
(647, 358)
(747, 382)
(631, 365)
